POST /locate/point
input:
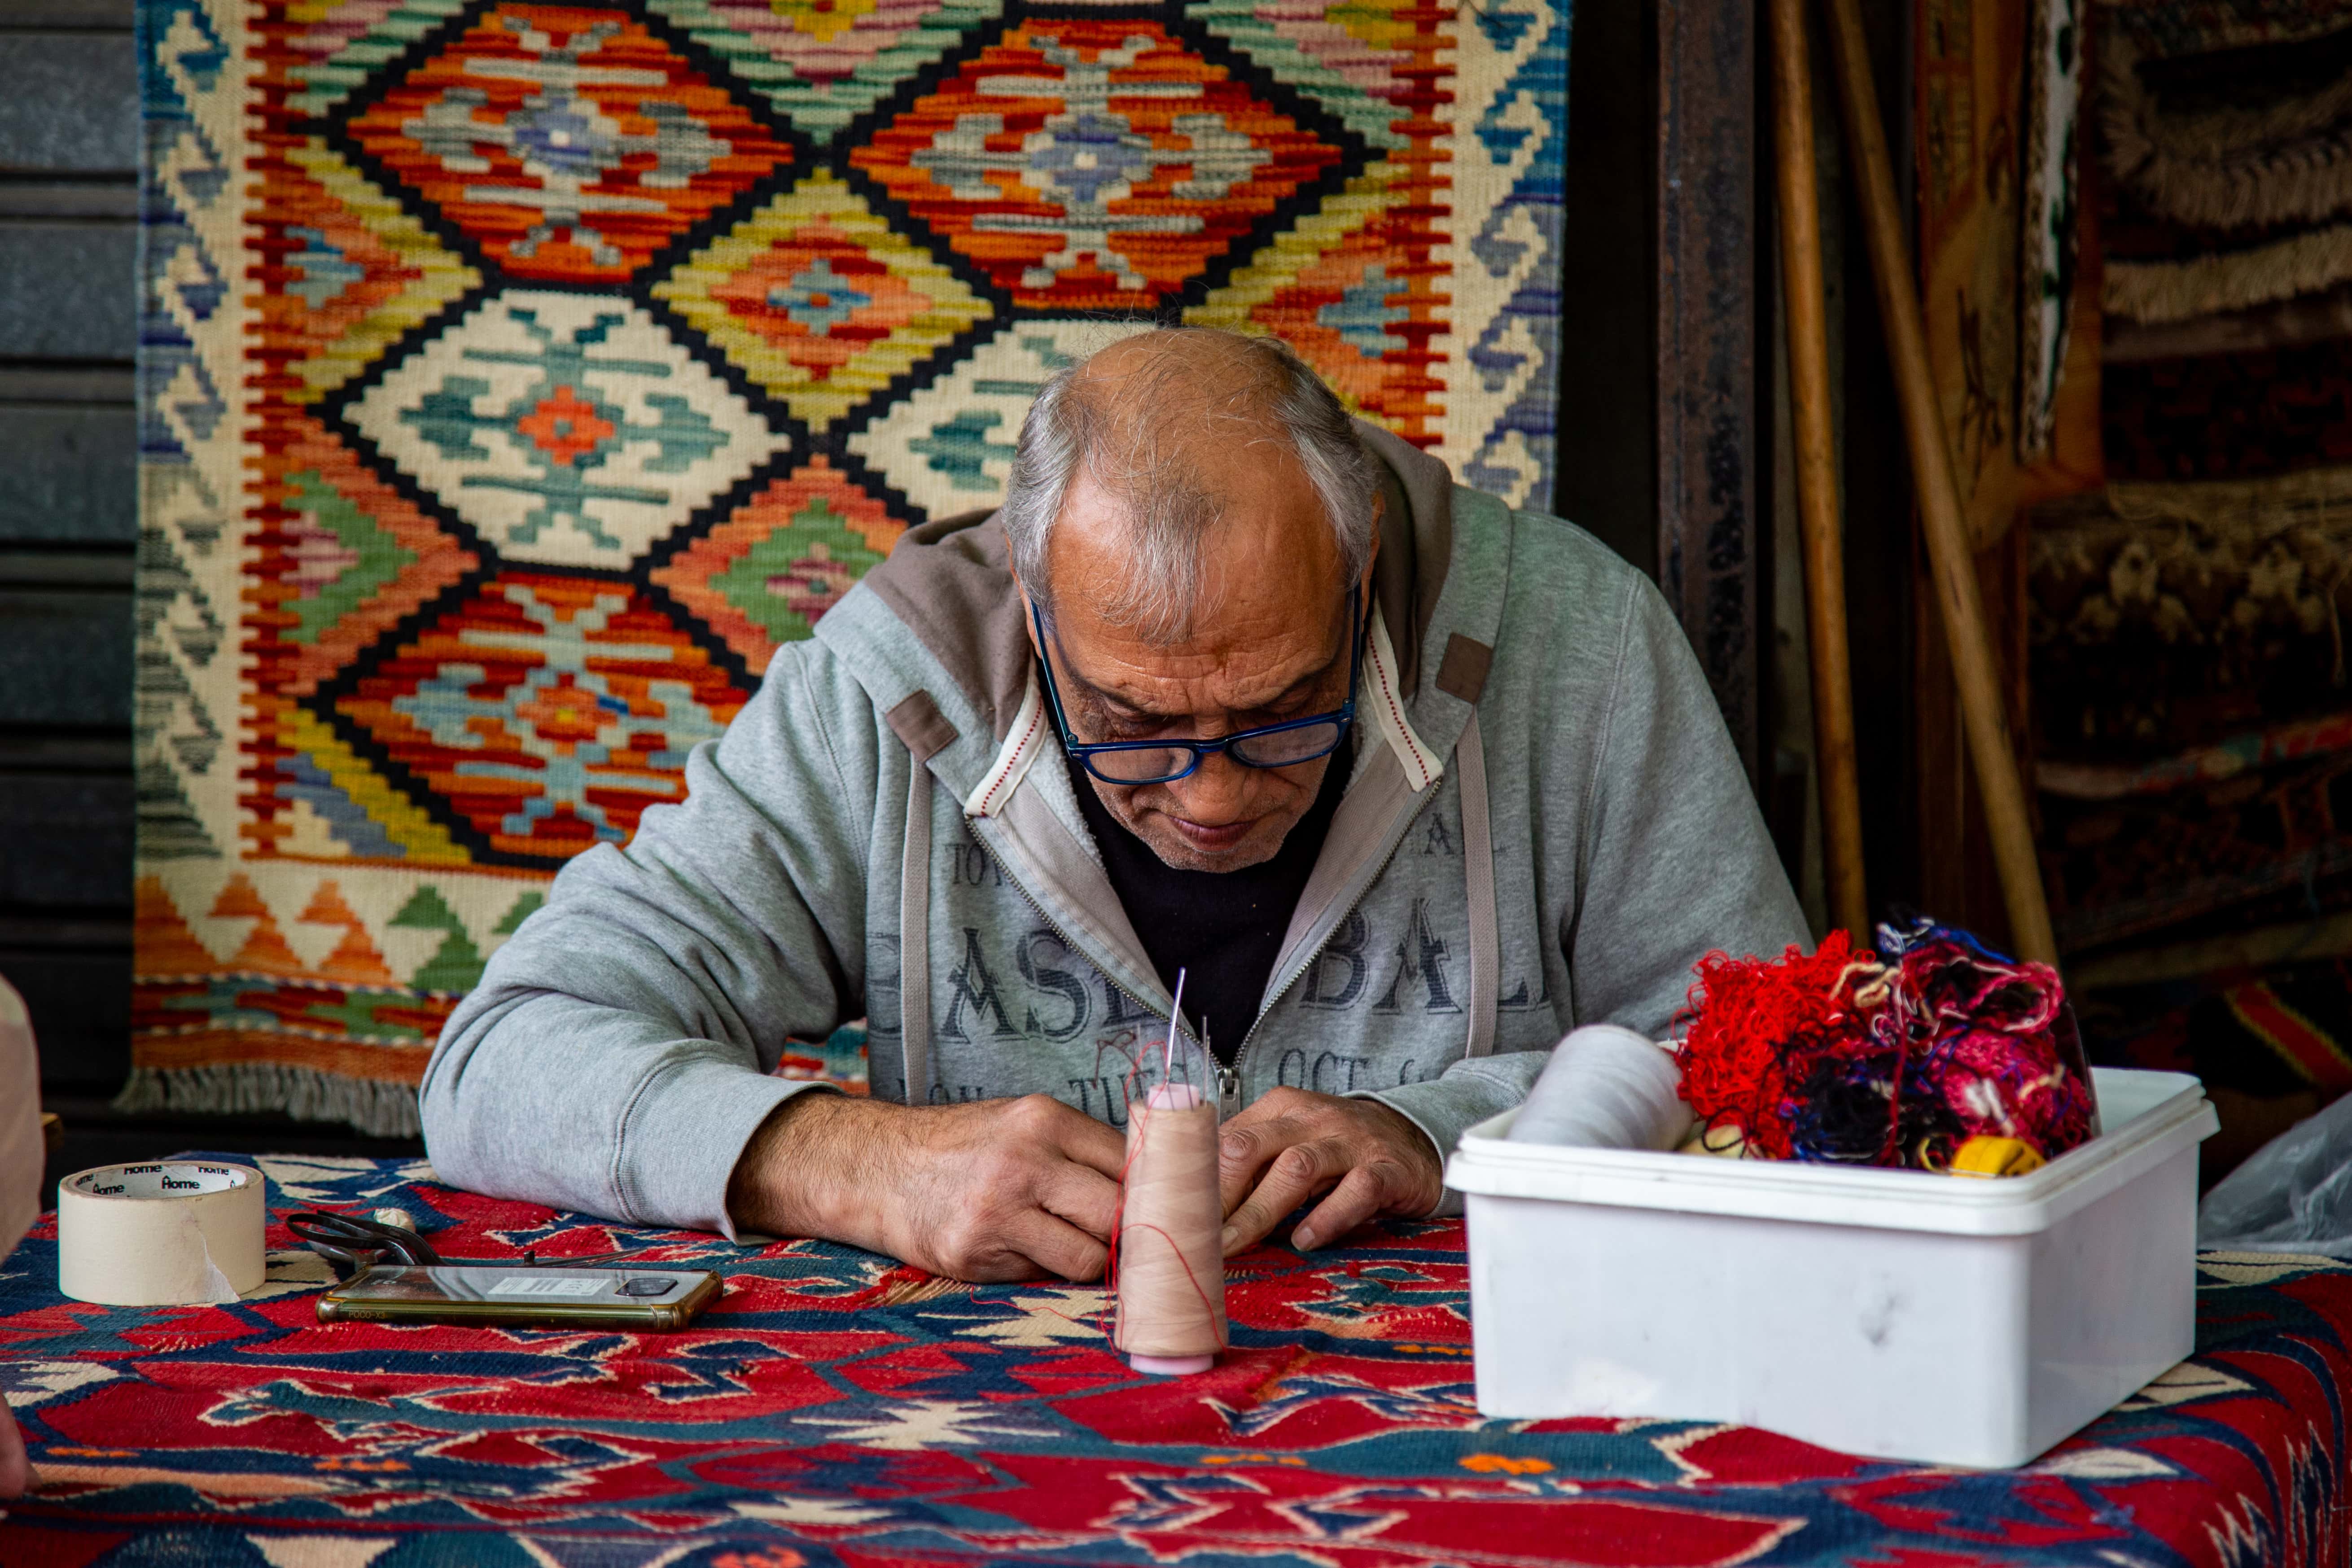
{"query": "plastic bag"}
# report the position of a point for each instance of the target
(2293, 1196)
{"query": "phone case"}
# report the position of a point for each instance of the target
(520, 1297)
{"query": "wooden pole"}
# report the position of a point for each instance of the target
(1817, 491)
(1950, 559)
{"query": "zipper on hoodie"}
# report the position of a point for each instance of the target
(1012, 881)
(1228, 1079)
(1298, 971)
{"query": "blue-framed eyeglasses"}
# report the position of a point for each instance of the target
(1282, 745)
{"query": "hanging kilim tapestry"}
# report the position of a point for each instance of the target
(516, 377)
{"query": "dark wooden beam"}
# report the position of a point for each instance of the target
(1709, 451)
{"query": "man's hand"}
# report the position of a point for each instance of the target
(1000, 1189)
(1291, 1145)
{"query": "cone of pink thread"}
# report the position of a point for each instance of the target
(1172, 1273)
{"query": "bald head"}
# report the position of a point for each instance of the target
(1168, 433)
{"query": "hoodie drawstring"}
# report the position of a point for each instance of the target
(926, 732)
(1478, 875)
(915, 935)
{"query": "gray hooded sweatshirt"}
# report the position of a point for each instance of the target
(1544, 825)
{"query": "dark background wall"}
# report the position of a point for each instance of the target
(68, 199)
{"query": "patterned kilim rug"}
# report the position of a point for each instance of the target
(837, 1411)
(516, 377)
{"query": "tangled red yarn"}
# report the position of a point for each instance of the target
(1750, 1021)
(1889, 1058)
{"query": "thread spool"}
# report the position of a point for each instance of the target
(1171, 1271)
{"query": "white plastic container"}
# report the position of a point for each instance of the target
(1891, 1314)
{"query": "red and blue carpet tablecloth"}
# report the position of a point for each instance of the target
(836, 1408)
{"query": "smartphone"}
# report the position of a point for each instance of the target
(546, 1297)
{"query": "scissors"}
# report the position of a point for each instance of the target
(352, 1243)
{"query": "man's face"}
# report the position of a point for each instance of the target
(1271, 646)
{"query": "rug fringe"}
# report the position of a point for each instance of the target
(2313, 499)
(372, 1105)
(2289, 161)
(2237, 280)
(2284, 323)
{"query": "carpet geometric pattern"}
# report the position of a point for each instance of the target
(516, 378)
(835, 1408)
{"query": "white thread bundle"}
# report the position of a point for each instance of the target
(1605, 1087)
(1171, 1274)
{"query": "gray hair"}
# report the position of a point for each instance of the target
(1209, 375)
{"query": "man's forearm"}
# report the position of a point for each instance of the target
(646, 1121)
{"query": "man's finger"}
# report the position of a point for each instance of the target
(1092, 1144)
(1368, 1190)
(1082, 1196)
(1245, 1148)
(1056, 1245)
(1296, 1175)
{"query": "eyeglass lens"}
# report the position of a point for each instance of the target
(1280, 749)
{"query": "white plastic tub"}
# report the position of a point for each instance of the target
(1891, 1314)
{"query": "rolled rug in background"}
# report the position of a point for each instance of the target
(1605, 1087)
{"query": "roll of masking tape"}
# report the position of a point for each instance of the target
(173, 1234)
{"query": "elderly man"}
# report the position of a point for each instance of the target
(1409, 782)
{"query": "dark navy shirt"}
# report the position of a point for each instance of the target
(1224, 927)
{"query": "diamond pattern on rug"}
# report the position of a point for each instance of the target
(817, 300)
(949, 447)
(1351, 287)
(359, 272)
(762, 577)
(822, 63)
(1355, 55)
(341, 42)
(544, 713)
(351, 557)
(568, 429)
(568, 141)
(1093, 164)
(322, 801)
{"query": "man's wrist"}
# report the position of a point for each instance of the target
(782, 1180)
(1413, 1139)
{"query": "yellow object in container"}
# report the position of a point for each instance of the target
(1988, 1156)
